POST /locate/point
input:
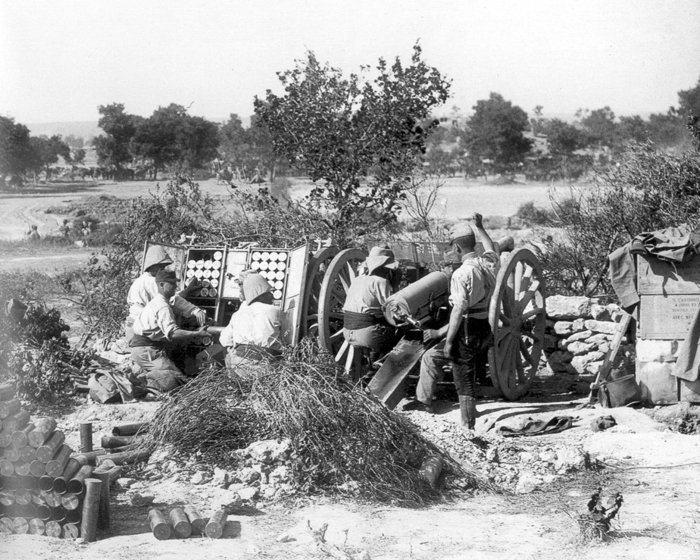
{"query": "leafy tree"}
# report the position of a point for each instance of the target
(113, 148)
(564, 138)
(689, 101)
(78, 156)
(46, 151)
(360, 137)
(171, 136)
(16, 153)
(601, 127)
(667, 130)
(495, 132)
(633, 129)
(75, 142)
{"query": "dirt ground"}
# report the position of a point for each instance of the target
(653, 466)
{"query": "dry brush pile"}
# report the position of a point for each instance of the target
(338, 433)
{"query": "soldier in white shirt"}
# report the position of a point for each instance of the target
(154, 331)
(144, 289)
(254, 331)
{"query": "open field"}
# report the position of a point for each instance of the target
(458, 198)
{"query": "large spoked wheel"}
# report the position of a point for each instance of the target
(318, 266)
(341, 272)
(517, 316)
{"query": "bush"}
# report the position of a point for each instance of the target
(647, 191)
(533, 215)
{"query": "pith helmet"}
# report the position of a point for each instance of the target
(156, 255)
(460, 231)
(381, 257)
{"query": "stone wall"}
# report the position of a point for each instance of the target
(578, 336)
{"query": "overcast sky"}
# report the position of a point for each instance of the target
(60, 59)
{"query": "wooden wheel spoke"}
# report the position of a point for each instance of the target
(520, 375)
(528, 296)
(532, 313)
(525, 351)
(500, 335)
(504, 319)
(506, 352)
(345, 280)
(518, 276)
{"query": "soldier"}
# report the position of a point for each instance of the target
(154, 332)
(468, 333)
(364, 325)
(144, 289)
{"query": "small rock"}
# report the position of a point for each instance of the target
(249, 493)
(548, 455)
(125, 483)
(226, 500)
(579, 348)
(280, 474)
(200, 477)
(570, 459)
(138, 500)
(578, 325)
(269, 451)
(269, 492)
(565, 307)
(527, 457)
(220, 477)
(603, 423)
(492, 455)
(563, 328)
(253, 549)
(605, 327)
(527, 483)
(579, 336)
(248, 475)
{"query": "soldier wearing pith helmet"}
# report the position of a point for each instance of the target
(469, 333)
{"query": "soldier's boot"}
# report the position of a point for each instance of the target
(467, 410)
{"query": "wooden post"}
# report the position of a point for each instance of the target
(197, 521)
(48, 449)
(56, 465)
(20, 438)
(159, 526)
(91, 504)
(86, 437)
(76, 484)
(180, 523)
(60, 483)
(103, 518)
(53, 529)
(42, 431)
(215, 527)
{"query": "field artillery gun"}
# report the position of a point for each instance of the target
(311, 287)
(516, 314)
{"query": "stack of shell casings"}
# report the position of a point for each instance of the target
(41, 484)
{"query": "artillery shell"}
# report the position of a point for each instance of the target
(197, 521)
(91, 504)
(76, 484)
(430, 469)
(36, 526)
(48, 449)
(215, 527)
(20, 438)
(7, 498)
(27, 454)
(86, 437)
(6, 467)
(56, 465)
(9, 407)
(70, 501)
(60, 483)
(5, 525)
(73, 516)
(16, 422)
(6, 438)
(43, 430)
(130, 429)
(180, 523)
(71, 531)
(12, 454)
(159, 526)
(103, 517)
(90, 458)
(52, 499)
(7, 391)
(22, 469)
(126, 457)
(23, 496)
(46, 483)
(52, 529)
(36, 467)
(58, 514)
(43, 512)
(20, 526)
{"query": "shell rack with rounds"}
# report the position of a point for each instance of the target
(206, 264)
(272, 265)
